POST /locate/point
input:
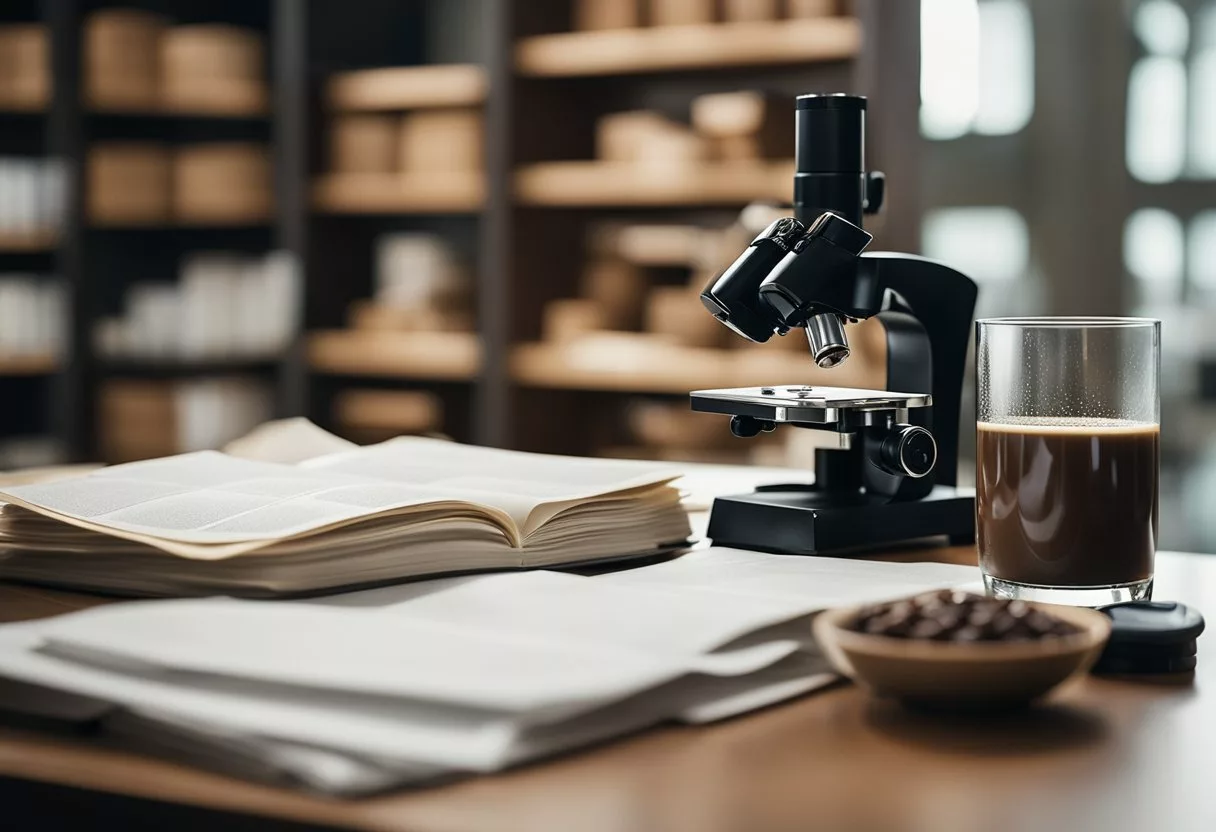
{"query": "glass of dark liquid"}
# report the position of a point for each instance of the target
(1068, 443)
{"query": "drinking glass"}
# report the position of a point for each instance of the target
(1068, 445)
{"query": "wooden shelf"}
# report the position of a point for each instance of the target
(34, 241)
(638, 363)
(167, 111)
(407, 87)
(406, 193)
(180, 223)
(148, 368)
(24, 106)
(441, 356)
(592, 184)
(675, 48)
(28, 365)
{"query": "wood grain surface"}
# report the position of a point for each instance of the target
(1101, 754)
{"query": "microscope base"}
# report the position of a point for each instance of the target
(797, 520)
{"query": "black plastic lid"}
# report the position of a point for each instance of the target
(1152, 623)
(1122, 666)
(1151, 638)
(830, 101)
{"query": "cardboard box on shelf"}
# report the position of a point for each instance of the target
(442, 140)
(222, 182)
(736, 149)
(593, 15)
(396, 88)
(646, 136)
(137, 420)
(675, 311)
(618, 289)
(363, 143)
(141, 419)
(25, 72)
(212, 67)
(657, 245)
(748, 10)
(762, 120)
(129, 182)
(681, 12)
(366, 314)
(122, 59)
(388, 413)
(566, 319)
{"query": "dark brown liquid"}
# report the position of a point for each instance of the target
(1067, 505)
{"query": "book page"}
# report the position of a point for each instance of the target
(287, 441)
(208, 499)
(530, 487)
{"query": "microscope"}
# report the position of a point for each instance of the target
(888, 474)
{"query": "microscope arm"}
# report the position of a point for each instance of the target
(927, 318)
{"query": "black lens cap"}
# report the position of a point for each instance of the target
(1150, 637)
(1120, 666)
(1153, 622)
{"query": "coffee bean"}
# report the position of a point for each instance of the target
(952, 615)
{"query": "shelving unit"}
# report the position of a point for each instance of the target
(572, 397)
(522, 226)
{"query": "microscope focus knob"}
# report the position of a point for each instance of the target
(908, 451)
(745, 427)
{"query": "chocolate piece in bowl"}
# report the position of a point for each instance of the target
(951, 615)
(953, 650)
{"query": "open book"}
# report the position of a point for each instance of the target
(207, 522)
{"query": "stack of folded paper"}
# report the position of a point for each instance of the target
(364, 691)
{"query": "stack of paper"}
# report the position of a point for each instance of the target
(208, 522)
(367, 690)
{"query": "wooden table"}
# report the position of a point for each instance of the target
(1099, 755)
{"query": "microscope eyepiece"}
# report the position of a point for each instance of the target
(733, 297)
(816, 272)
(830, 159)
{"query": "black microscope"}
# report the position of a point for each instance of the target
(890, 475)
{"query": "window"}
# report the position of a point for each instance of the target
(977, 67)
(1201, 256)
(1202, 162)
(1171, 94)
(1153, 255)
(991, 245)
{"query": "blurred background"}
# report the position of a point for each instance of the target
(490, 219)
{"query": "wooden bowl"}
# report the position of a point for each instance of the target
(974, 676)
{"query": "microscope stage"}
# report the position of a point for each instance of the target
(803, 404)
